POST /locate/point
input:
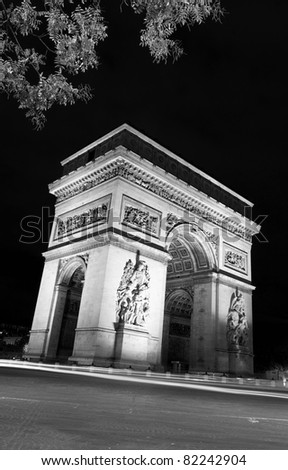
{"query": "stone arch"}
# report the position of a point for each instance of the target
(203, 254)
(191, 256)
(69, 266)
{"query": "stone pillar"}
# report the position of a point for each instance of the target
(95, 332)
(202, 339)
(40, 326)
(55, 322)
(233, 359)
(165, 341)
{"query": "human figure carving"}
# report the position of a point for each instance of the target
(132, 294)
(237, 324)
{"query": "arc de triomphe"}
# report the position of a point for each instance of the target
(148, 264)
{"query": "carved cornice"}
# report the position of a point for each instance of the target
(134, 141)
(119, 167)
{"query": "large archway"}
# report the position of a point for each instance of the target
(191, 254)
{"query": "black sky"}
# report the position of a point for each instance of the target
(221, 107)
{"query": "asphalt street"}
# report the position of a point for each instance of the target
(49, 410)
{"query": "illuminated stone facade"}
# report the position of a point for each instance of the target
(148, 264)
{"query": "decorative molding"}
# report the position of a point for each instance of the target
(138, 144)
(85, 257)
(213, 239)
(140, 216)
(235, 259)
(119, 167)
(172, 220)
(107, 238)
(133, 294)
(237, 324)
(64, 261)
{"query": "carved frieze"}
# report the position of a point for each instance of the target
(93, 214)
(235, 259)
(122, 168)
(133, 294)
(131, 141)
(140, 216)
(237, 324)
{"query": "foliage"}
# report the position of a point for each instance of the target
(69, 31)
(162, 17)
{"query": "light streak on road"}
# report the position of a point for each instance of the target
(147, 380)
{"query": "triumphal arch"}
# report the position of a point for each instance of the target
(148, 264)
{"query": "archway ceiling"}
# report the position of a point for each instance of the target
(181, 262)
(188, 255)
(180, 303)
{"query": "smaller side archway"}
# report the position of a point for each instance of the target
(177, 328)
(68, 294)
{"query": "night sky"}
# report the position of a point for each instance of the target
(222, 107)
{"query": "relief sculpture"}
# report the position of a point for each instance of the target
(235, 260)
(140, 218)
(95, 214)
(133, 294)
(237, 325)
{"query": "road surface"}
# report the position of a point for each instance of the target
(50, 410)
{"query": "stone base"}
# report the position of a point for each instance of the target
(240, 363)
(34, 357)
(131, 347)
(80, 361)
